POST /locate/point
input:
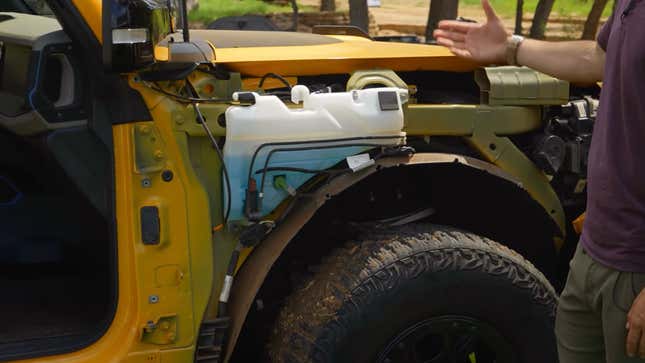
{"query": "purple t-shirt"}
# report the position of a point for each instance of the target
(614, 229)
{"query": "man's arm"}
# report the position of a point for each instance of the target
(576, 61)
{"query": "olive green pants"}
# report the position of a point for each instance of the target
(592, 312)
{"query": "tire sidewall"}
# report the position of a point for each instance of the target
(388, 302)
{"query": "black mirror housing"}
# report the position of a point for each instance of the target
(132, 29)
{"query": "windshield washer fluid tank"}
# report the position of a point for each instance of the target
(370, 117)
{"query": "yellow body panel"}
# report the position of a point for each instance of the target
(91, 11)
(178, 271)
(351, 55)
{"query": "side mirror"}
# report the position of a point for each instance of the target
(139, 33)
(131, 28)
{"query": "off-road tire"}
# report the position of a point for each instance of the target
(366, 293)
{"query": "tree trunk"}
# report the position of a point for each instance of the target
(591, 25)
(519, 13)
(294, 19)
(440, 10)
(327, 5)
(540, 18)
(358, 15)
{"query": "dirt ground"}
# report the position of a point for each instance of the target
(410, 12)
(414, 14)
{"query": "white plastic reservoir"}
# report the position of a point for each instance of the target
(328, 128)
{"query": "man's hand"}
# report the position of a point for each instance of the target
(483, 43)
(635, 326)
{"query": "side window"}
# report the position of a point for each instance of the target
(39, 7)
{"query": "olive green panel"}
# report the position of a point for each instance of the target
(520, 86)
(460, 120)
(185, 120)
(362, 79)
(208, 168)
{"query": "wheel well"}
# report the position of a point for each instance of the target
(461, 196)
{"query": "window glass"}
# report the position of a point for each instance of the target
(39, 7)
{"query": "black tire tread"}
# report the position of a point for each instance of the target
(383, 258)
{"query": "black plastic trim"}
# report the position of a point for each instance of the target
(124, 103)
(150, 225)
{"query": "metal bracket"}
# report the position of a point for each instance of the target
(385, 77)
(148, 149)
(161, 332)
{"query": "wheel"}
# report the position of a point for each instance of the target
(420, 293)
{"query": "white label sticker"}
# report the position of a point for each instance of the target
(359, 162)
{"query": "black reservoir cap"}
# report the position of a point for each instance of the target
(388, 100)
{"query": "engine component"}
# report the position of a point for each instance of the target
(564, 144)
(550, 153)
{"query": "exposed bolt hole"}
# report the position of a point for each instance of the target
(221, 120)
(167, 175)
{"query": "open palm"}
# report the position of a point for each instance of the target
(484, 43)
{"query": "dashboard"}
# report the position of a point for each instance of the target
(41, 76)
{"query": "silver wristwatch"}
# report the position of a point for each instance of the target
(512, 45)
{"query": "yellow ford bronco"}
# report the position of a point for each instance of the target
(169, 195)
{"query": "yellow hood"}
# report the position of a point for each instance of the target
(255, 53)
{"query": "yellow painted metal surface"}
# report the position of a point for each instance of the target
(91, 11)
(163, 289)
(579, 222)
(345, 57)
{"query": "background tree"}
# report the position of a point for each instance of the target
(540, 18)
(440, 10)
(327, 5)
(294, 18)
(591, 25)
(358, 15)
(519, 14)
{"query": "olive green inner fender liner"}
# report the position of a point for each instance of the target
(253, 272)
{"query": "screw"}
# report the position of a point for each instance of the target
(492, 146)
(150, 326)
(167, 175)
(153, 299)
(179, 119)
(146, 183)
(144, 129)
(159, 155)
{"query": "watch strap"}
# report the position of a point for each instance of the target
(512, 46)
